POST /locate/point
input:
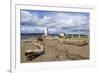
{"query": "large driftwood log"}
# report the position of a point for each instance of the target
(32, 54)
(77, 42)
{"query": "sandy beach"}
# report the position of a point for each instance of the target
(55, 50)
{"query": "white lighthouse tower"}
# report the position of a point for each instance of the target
(46, 31)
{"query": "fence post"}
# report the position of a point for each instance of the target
(78, 35)
(72, 35)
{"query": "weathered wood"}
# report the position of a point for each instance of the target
(41, 38)
(32, 54)
(77, 42)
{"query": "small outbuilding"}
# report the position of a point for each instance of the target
(62, 35)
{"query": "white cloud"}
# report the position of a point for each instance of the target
(26, 16)
(44, 20)
(68, 20)
(56, 21)
(31, 29)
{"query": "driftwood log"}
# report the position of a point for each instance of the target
(32, 54)
(41, 38)
(77, 42)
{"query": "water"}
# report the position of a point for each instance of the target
(26, 36)
(37, 35)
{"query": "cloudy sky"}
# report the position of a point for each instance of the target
(34, 21)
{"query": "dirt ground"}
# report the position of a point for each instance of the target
(55, 51)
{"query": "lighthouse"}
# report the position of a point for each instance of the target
(46, 31)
